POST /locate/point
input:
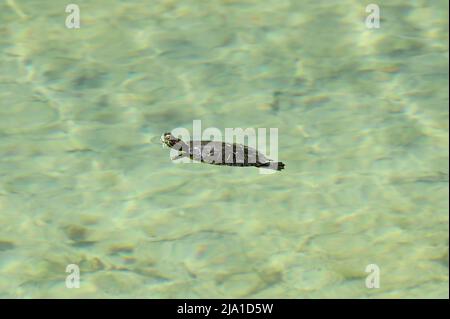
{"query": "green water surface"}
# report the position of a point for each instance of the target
(362, 116)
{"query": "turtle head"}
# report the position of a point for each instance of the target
(170, 140)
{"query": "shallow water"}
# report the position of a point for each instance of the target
(363, 126)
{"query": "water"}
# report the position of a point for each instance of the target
(362, 116)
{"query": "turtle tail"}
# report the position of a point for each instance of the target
(277, 166)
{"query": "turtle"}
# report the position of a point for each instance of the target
(220, 153)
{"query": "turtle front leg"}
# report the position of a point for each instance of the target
(178, 156)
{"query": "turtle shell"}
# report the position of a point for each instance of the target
(220, 153)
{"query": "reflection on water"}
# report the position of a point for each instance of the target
(362, 116)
